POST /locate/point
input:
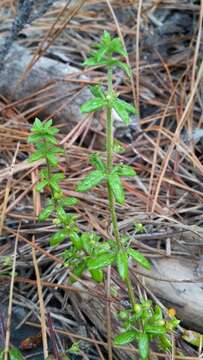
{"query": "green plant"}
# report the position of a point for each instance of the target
(5, 265)
(141, 322)
(88, 252)
(83, 246)
(14, 354)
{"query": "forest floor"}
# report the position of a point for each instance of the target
(42, 75)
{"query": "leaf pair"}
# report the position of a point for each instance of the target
(108, 258)
(100, 101)
(95, 177)
(131, 335)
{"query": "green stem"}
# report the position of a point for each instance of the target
(109, 149)
(49, 178)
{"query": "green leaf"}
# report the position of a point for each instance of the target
(123, 315)
(93, 61)
(123, 66)
(93, 105)
(117, 188)
(96, 161)
(37, 126)
(58, 196)
(50, 139)
(76, 240)
(57, 177)
(96, 90)
(125, 337)
(34, 138)
(55, 150)
(128, 107)
(52, 130)
(85, 237)
(78, 271)
(70, 201)
(117, 46)
(103, 247)
(122, 264)
(121, 111)
(37, 155)
(139, 258)
(165, 343)
(44, 173)
(143, 345)
(155, 329)
(172, 324)
(54, 185)
(45, 213)
(139, 228)
(92, 179)
(52, 159)
(101, 261)
(118, 147)
(157, 314)
(97, 275)
(106, 38)
(75, 348)
(41, 185)
(1, 355)
(58, 237)
(48, 124)
(100, 53)
(15, 354)
(125, 170)
(61, 214)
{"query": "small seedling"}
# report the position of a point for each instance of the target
(75, 348)
(139, 228)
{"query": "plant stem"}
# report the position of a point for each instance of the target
(109, 149)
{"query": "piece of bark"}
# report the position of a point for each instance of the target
(46, 74)
(185, 296)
